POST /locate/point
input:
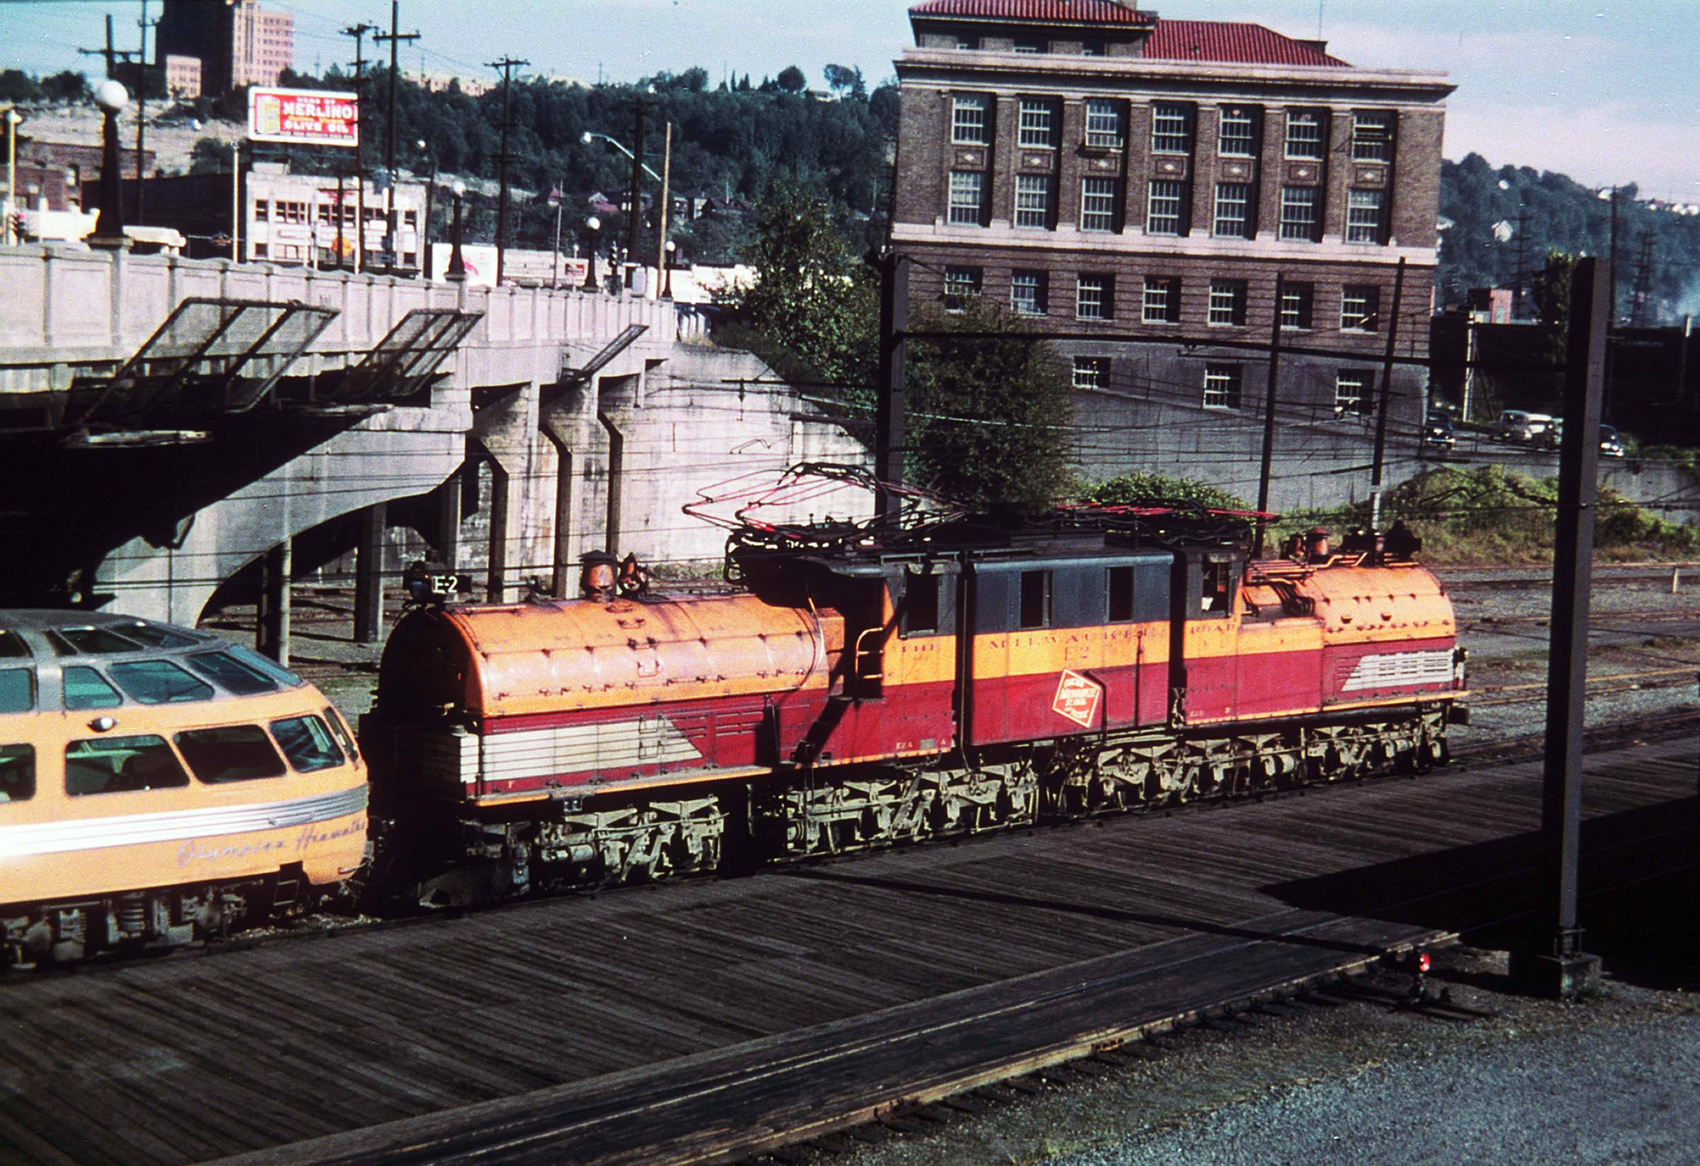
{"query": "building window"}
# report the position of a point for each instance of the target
(1227, 302)
(1365, 222)
(1351, 390)
(1360, 308)
(410, 218)
(959, 284)
(1104, 124)
(1094, 297)
(259, 250)
(1171, 128)
(1028, 44)
(1162, 302)
(1372, 137)
(262, 210)
(1028, 292)
(1304, 134)
(969, 120)
(1299, 217)
(1092, 46)
(1091, 372)
(1221, 386)
(1038, 122)
(967, 42)
(1233, 210)
(1296, 300)
(1238, 136)
(1098, 199)
(1033, 200)
(1163, 215)
(967, 197)
(325, 209)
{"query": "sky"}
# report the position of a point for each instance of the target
(1607, 92)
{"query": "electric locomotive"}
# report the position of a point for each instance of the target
(157, 783)
(866, 691)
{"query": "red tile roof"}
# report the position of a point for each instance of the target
(1063, 11)
(1215, 40)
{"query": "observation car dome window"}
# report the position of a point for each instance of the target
(17, 773)
(230, 673)
(155, 636)
(229, 753)
(121, 765)
(17, 690)
(87, 689)
(307, 743)
(12, 647)
(97, 641)
(270, 667)
(159, 682)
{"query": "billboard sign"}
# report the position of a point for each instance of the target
(311, 117)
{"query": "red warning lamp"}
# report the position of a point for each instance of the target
(1424, 962)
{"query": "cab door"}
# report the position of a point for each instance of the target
(1205, 635)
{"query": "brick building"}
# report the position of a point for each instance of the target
(1138, 185)
(237, 43)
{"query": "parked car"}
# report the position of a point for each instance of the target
(1552, 438)
(1610, 444)
(1437, 432)
(1517, 426)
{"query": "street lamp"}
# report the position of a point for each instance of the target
(109, 227)
(587, 137)
(13, 120)
(457, 264)
(667, 271)
(422, 237)
(593, 225)
(555, 200)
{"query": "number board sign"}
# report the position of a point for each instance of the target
(313, 117)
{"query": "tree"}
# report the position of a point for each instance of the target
(210, 156)
(791, 80)
(989, 413)
(1145, 489)
(1551, 288)
(16, 85)
(65, 86)
(847, 81)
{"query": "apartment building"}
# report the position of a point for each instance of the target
(236, 42)
(1155, 192)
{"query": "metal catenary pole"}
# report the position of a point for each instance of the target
(890, 408)
(358, 32)
(1386, 399)
(1269, 413)
(142, 113)
(634, 214)
(392, 236)
(507, 65)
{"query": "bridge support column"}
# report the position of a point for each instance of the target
(271, 632)
(448, 519)
(496, 579)
(369, 576)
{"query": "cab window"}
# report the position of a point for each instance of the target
(920, 603)
(17, 690)
(86, 688)
(229, 753)
(121, 765)
(1217, 590)
(340, 728)
(159, 682)
(1035, 599)
(1120, 594)
(17, 773)
(307, 743)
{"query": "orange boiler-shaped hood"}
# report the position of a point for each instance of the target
(561, 656)
(1398, 601)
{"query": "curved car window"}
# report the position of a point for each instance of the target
(98, 641)
(17, 773)
(17, 690)
(270, 667)
(307, 743)
(340, 728)
(109, 765)
(229, 753)
(230, 673)
(12, 647)
(87, 689)
(155, 636)
(159, 682)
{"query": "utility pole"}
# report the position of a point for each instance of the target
(891, 405)
(1643, 293)
(112, 55)
(1386, 399)
(142, 111)
(1561, 967)
(634, 217)
(1523, 273)
(395, 37)
(1612, 319)
(1269, 414)
(507, 65)
(358, 32)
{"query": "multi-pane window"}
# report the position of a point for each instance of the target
(1299, 217)
(1091, 372)
(1094, 297)
(1033, 200)
(1163, 213)
(1233, 210)
(1028, 293)
(1372, 137)
(262, 210)
(1028, 44)
(1038, 122)
(1104, 123)
(1296, 301)
(1171, 128)
(1227, 302)
(967, 197)
(959, 284)
(1098, 198)
(1305, 133)
(1222, 386)
(970, 119)
(1351, 390)
(1360, 308)
(1162, 302)
(1365, 219)
(1238, 135)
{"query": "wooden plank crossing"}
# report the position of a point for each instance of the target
(554, 1031)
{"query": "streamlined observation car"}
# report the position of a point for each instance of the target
(156, 782)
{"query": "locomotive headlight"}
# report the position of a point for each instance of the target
(103, 724)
